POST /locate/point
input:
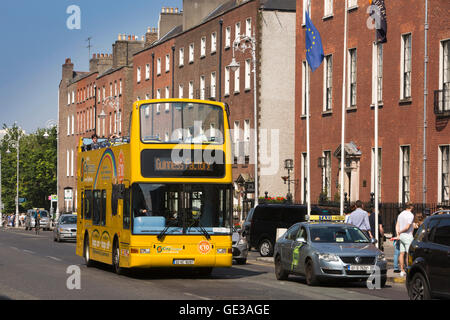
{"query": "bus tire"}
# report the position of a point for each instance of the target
(116, 258)
(87, 253)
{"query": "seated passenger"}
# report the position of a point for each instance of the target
(94, 144)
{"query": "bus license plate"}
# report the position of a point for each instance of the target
(183, 262)
(360, 268)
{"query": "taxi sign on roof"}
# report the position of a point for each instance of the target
(324, 218)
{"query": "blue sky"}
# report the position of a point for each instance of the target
(36, 42)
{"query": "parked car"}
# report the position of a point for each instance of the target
(240, 246)
(429, 259)
(66, 228)
(261, 225)
(328, 251)
(30, 219)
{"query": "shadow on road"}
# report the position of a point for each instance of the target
(2, 298)
(181, 273)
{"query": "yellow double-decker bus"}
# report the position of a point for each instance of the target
(161, 196)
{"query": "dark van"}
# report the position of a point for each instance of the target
(261, 225)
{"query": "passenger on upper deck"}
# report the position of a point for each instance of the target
(95, 144)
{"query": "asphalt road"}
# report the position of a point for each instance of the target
(35, 267)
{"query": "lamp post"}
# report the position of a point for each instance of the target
(289, 166)
(114, 103)
(49, 125)
(242, 43)
(17, 146)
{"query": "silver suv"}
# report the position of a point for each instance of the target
(30, 219)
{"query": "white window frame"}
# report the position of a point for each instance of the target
(191, 52)
(227, 82)
(401, 173)
(237, 81)
(167, 62)
(213, 84)
(444, 72)
(248, 75)
(307, 5)
(202, 87)
(328, 8)
(167, 97)
(158, 66)
(350, 73)
(237, 30)
(180, 91)
(158, 105)
(248, 27)
(352, 4)
(213, 42)
(73, 124)
(138, 75)
(377, 61)
(441, 171)
(328, 83)
(326, 173)
(181, 57)
(191, 89)
(203, 47)
(147, 71)
(403, 80)
(227, 37)
(68, 163)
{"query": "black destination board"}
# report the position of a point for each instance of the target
(182, 163)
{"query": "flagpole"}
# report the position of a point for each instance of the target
(308, 144)
(343, 111)
(376, 144)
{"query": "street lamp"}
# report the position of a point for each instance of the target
(289, 166)
(17, 146)
(242, 43)
(50, 124)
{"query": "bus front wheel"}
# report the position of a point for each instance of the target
(116, 259)
(87, 253)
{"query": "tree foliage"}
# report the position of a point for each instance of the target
(37, 168)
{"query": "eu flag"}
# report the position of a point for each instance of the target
(314, 48)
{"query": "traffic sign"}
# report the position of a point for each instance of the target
(22, 200)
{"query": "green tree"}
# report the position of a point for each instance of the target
(37, 168)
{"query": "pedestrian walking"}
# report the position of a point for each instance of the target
(396, 244)
(405, 229)
(360, 218)
(38, 221)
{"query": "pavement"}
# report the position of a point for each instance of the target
(388, 251)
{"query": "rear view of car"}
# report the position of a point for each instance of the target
(429, 259)
(66, 228)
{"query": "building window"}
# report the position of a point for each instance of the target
(158, 66)
(328, 83)
(237, 30)
(68, 164)
(120, 87)
(237, 82)
(405, 158)
(236, 136)
(73, 124)
(167, 62)
(167, 97)
(305, 87)
(191, 53)
(306, 7)
(71, 163)
(73, 97)
(213, 42)
(191, 89)
(352, 78)
(247, 141)
(444, 178)
(227, 37)
(158, 96)
(372, 175)
(326, 173)
(377, 61)
(328, 8)
(181, 59)
(138, 74)
(202, 87)
(227, 82)
(147, 72)
(180, 91)
(213, 85)
(248, 27)
(248, 73)
(352, 4)
(203, 47)
(444, 74)
(68, 98)
(406, 67)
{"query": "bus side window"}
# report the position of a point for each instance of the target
(103, 206)
(126, 209)
(96, 212)
(82, 205)
(88, 204)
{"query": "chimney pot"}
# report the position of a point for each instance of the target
(129, 37)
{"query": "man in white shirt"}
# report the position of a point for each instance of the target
(405, 229)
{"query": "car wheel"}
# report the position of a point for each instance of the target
(311, 278)
(116, 259)
(419, 288)
(280, 273)
(266, 248)
(87, 254)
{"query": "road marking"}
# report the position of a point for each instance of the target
(53, 258)
(28, 251)
(196, 296)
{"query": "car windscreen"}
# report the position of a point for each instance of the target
(68, 220)
(337, 234)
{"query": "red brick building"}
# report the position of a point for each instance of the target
(406, 157)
